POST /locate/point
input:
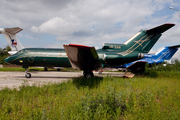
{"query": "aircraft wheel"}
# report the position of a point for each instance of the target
(88, 74)
(58, 69)
(28, 75)
(45, 69)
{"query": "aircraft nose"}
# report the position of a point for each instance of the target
(6, 60)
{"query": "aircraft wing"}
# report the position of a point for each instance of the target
(82, 57)
(160, 29)
(138, 64)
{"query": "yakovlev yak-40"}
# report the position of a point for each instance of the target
(84, 57)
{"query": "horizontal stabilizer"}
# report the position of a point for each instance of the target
(11, 31)
(160, 29)
(82, 57)
(12, 40)
(12, 52)
(175, 46)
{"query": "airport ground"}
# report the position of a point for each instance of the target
(16, 79)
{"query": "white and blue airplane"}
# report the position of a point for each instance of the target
(160, 57)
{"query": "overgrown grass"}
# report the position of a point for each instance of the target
(96, 98)
(154, 96)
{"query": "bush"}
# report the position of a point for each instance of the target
(4, 54)
(2, 59)
(151, 71)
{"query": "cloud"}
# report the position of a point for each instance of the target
(56, 26)
(105, 20)
(88, 22)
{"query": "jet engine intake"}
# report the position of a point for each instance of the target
(140, 55)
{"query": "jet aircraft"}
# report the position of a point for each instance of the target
(13, 41)
(87, 58)
(160, 57)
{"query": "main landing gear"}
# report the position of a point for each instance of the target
(88, 74)
(27, 75)
(45, 69)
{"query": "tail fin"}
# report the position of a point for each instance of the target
(142, 42)
(167, 52)
(145, 39)
(10, 36)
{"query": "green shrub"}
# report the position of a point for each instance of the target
(151, 71)
(2, 59)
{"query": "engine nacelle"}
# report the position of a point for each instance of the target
(140, 56)
(118, 59)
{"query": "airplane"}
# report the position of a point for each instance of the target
(160, 57)
(13, 41)
(87, 58)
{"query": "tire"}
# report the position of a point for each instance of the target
(88, 74)
(58, 69)
(45, 69)
(28, 75)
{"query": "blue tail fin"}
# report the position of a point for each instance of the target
(167, 52)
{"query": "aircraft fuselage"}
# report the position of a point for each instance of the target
(48, 57)
(40, 57)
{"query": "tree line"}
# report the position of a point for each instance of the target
(4, 54)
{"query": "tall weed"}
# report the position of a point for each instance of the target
(95, 98)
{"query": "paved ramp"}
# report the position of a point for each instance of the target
(16, 79)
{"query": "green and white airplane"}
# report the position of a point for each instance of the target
(84, 57)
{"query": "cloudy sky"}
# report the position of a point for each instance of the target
(52, 23)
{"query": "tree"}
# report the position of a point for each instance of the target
(4, 54)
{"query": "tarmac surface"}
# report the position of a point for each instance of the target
(16, 79)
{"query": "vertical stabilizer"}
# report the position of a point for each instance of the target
(141, 42)
(10, 36)
(167, 53)
(144, 40)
